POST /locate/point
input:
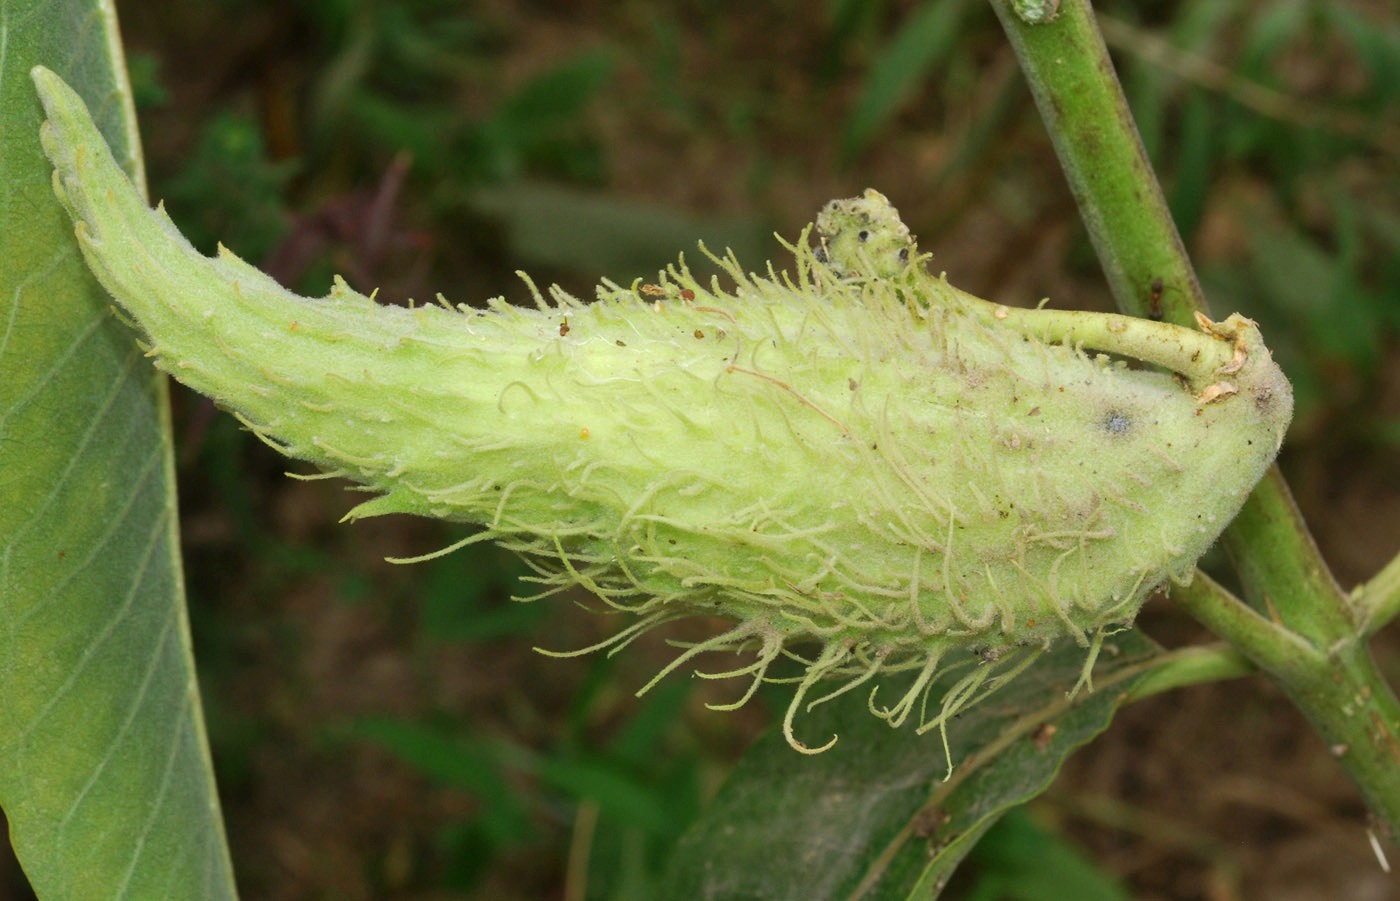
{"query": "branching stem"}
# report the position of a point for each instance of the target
(1196, 665)
(1378, 601)
(1297, 625)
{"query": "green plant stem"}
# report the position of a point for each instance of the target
(1264, 641)
(1283, 573)
(1299, 626)
(1086, 114)
(1190, 352)
(1194, 665)
(1358, 716)
(1378, 601)
(1339, 688)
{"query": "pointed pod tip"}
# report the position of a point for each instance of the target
(50, 86)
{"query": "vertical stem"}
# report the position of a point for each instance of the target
(1072, 79)
(1358, 717)
(1283, 573)
(1086, 114)
(1303, 631)
(1379, 601)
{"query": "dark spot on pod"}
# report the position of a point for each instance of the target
(1117, 423)
(1264, 400)
(862, 236)
(904, 254)
(820, 254)
(1155, 300)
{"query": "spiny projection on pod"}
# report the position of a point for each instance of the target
(865, 469)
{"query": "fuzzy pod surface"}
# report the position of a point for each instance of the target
(852, 456)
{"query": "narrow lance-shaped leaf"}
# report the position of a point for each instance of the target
(105, 774)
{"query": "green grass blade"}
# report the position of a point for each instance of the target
(927, 38)
(105, 773)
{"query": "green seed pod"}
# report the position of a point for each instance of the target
(853, 456)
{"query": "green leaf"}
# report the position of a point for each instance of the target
(1316, 291)
(1196, 162)
(479, 767)
(1019, 860)
(928, 37)
(105, 773)
(555, 226)
(873, 817)
(535, 123)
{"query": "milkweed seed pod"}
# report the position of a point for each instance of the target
(852, 456)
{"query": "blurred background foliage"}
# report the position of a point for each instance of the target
(386, 731)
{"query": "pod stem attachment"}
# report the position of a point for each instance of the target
(1199, 355)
